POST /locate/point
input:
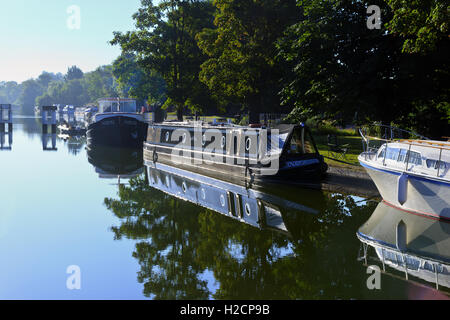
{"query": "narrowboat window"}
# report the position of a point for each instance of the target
(128, 106)
(309, 145)
(296, 142)
(248, 144)
(301, 142)
(222, 143)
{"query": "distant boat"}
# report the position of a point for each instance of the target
(412, 175)
(117, 123)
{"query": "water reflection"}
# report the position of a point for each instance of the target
(49, 142)
(192, 246)
(6, 140)
(417, 247)
(115, 163)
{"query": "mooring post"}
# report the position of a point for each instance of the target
(5, 117)
(46, 112)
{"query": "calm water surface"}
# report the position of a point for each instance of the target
(132, 241)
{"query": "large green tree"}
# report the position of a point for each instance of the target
(242, 64)
(422, 23)
(165, 42)
(340, 69)
(136, 82)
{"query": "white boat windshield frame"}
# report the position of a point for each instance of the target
(113, 105)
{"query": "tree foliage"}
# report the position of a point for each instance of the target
(422, 23)
(165, 42)
(242, 60)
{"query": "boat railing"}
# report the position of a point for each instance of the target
(370, 152)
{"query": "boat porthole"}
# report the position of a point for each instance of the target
(247, 209)
(167, 136)
(248, 144)
(184, 187)
(222, 143)
(203, 194)
(222, 200)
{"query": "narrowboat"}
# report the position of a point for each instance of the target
(410, 244)
(117, 124)
(412, 175)
(285, 152)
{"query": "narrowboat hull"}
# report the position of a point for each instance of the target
(117, 131)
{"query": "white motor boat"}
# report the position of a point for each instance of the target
(411, 175)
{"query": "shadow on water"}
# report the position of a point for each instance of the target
(302, 246)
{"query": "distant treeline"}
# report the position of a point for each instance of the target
(123, 78)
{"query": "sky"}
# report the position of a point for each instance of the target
(52, 35)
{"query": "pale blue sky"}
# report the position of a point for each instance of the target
(34, 35)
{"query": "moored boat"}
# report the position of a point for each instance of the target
(117, 123)
(412, 175)
(244, 152)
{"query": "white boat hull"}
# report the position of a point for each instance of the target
(421, 195)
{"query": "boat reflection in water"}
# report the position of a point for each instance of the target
(115, 163)
(6, 140)
(416, 246)
(256, 207)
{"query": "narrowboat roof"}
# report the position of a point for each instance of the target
(283, 128)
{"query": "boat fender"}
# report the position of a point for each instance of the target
(402, 188)
(401, 236)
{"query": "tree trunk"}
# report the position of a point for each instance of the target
(179, 113)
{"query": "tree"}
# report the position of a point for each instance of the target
(339, 69)
(165, 42)
(242, 62)
(74, 73)
(422, 23)
(135, 82)
(30, 91)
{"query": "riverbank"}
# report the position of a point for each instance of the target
(350, 180)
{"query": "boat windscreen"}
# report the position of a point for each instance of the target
(301, 142)
(116, 106)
